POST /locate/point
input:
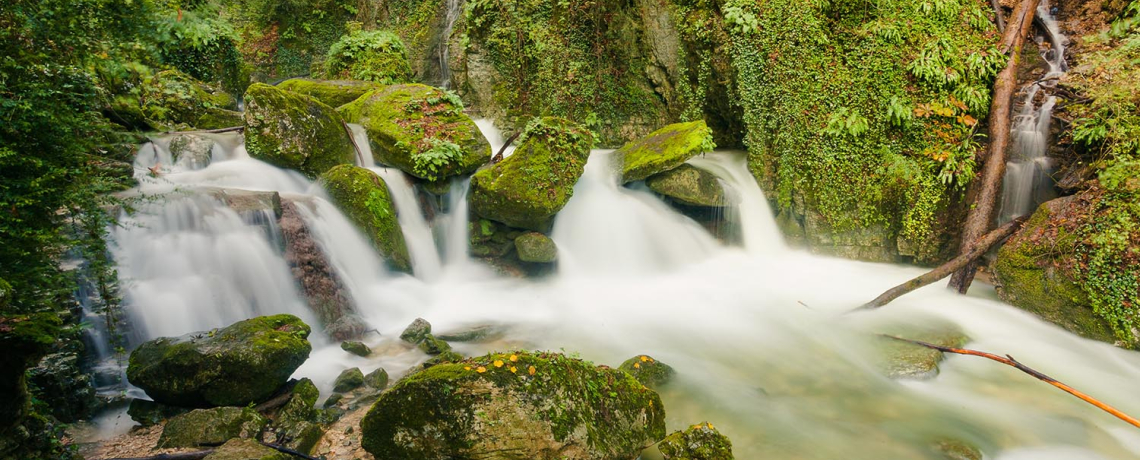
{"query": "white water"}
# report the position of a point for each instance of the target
(759, 231)
(758, 337)
(450, 16)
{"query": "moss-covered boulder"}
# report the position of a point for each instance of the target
(175, 100)
(356, 348)
(211, 427)
(297, 424)
(369, 55)
(650, 372)
(243, 363)
(700, 442)
(1035, 270)
(335, 93)
(150, 413)
(25, 339)
(528, 188)
(246, 449)
(536, 247)
(664, 149)
(64, 388)
(348, 380)
(689, 185)
(363, 197)
(433, 346)
(532, 405)
(294, 131)
(420, 130)
(416, 331)
(377, 379)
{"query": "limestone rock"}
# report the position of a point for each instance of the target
(536, 247)
(293, 131)
(335, 93)
(689, 185)
(664, 149)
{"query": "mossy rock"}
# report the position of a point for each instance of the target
(420, 130)
(211, 427)
(533, 405)
(481, 333)
(377, 379)
(246, 449)
(903, 360)
(650, 372)
(433, 346)
(536, 247)
(416, 331)
(528, 188)
(700, 442)
(1035, 270)
(689, 185)
(369, 55)
(356, 348)
(150, 413)
(25, 339)
(298, 422)
(173, 99)
(294, 131)
(953, 449)
(447, 356)
(335, 93)
(363, 197)
(664, 149)
(348, 380)
(191, 150)
(243, 363)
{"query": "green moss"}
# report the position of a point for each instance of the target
(174, 99)
(283, 39)
(363, 197)
(700, 442)
(375, 55)
(528, 188)
(648, 371)
(335, 93)
(377, 379)
(246, 449)
(433, 346)
(356, 348)
(293, 131)
(664, 149)
(421, 130)
(211, 426)
(541, 405)
(348, 380)
(689, 185)
(536, 247)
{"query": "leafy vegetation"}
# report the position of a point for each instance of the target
(377, 56)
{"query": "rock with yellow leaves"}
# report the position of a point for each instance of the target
(700, 442)
(650, 372)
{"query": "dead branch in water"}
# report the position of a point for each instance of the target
(286, 450)
(209, 131)
(1009, 361)
(355, 146)
(499, 156)
(976, 250)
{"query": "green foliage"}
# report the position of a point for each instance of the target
(846, 122)
(203, 46)
(283, 38)
(377, 56)
(430, 164)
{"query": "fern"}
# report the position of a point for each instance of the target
(431, 164)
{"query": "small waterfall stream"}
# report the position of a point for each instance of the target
(450, 16)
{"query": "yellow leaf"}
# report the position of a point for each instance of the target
(637, 365)
(498, 363)
(514, 369)
(644, 358)
(514, 358)
(466, 368)
(710, 425)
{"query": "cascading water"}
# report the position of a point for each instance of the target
(762, 235)
(450, 16)
(1028, 178)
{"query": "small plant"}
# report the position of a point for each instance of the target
(899, 112)
(431, 163)
(846, 121)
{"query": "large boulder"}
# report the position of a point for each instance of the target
(369, 55)
(520, 405)
(192, 151)
(664, 149)
(689, 185)
(700, 442)
(243, 363)
(294, 131)
(67, 391)
(420, 130)
(528, 188)
(364, 199)
(211, 427)
(173, 99)
(335, 93)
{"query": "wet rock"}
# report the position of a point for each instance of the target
(664, 149)
(333, 400)
(211, 426)
(377, 379)
(356, 348)
(150, 413)
(65, 389)
(293, 131)
(416, 331)
(700, 442)
(903, 360)
(533, 405)
(952, 449)
(528, 188)
(446, 356)
(175, 100)
(297, 424)
(475, 334)
(420, 130)
(536, 247)
(348, 380)
(243, 363)
(335, 93)
(246, 449)
(369, 55)
(363, 197)
(648, 371)
(192, 151)
(246, 202)
(689, 185)
(433, 346)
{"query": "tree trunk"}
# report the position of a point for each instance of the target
(998, 15)
(944, 270)
(981, 216)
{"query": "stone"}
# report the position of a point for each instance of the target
(150, 413)
(377, 379)
(335, 93)
(903, 360)
(433, 346)
(243, 363)
(356, 348)
(447, 356)
(348, 380)
(528, 188)
(246, 202)
(477, 334)
(25, 339)
(364, 199)
(369, 55)
(689, 185)
(534, 405)
(192, 151)
(298, 422)
(664, 149)
(293, 131)
(211, 426)
(416, 331)
(64, 388)
(420, 130)
(246, 449)
(650, 372)
(324, 290)
(178, 101)
(700, 442)
(952, 449)
(536, 247)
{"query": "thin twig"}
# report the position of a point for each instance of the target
(499, 156)
(287, 450)
(1009, 361)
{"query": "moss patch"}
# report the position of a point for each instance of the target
(211, 427)
(700, 442)
(293, 131)
(334, 93)
(363, 197)
(664, 149)
(373, 55)
(173, 99)
(650, 372)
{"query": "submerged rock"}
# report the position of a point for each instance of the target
(952, 449)
(700, 442)
(650, 372)
(664, 149)
(433, 346)
(356, 348)
(335, 93)
(528, 188)
(476, 334)
(211, 427)
(533, 405)
(416, 331)
(243, 363)
(363, 197)
(689, 185)
(536, 247)
(293, 131)
(903, 360)
(348, 380)
(191, 150)
(420, 130)
(246, 449)
(176, 100)
(370, 55)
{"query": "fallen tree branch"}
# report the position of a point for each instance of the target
(944, 270)
(209, 131)
(197, 455)
(499, 156)
(286, 450)
(1009, 361)
(981, 215)
(998, 15)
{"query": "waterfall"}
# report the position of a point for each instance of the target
(758, 229)
(451, 15)
(425, 257)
